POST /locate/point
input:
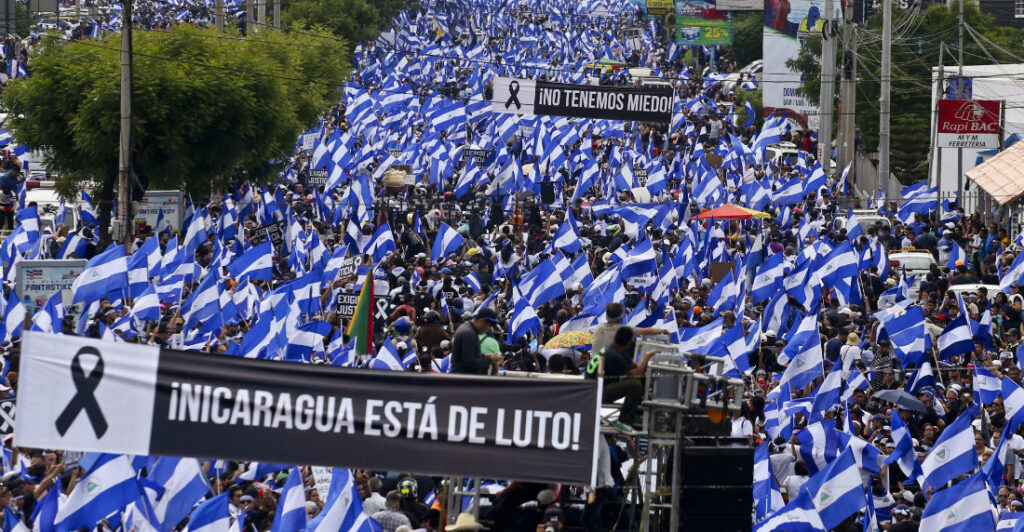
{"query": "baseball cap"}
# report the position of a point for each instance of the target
(487, 314)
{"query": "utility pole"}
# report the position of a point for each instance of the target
(277, 14)
(261, 13)
(848, 90)
(220, 16)
(250, 22)
(124, 155)
(826, 99)
(960, 93)
(885, 99)
(935, 157)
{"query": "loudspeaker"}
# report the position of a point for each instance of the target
(718, 466)
(547, 192)
(716, 489)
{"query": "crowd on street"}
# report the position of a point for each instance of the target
(878, 337)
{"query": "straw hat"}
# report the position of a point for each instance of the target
(852, 339)
(465, 521)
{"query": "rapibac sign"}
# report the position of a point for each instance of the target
(969, 124)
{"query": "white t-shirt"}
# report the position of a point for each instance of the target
(793, 485)
(741, 427)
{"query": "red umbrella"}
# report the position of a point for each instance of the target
(726, 212)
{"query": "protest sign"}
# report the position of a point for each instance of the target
(145, 400)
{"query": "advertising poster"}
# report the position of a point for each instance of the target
(968, 124)
(659, 7)
(39, 279)
(786, 24)
(699, 23)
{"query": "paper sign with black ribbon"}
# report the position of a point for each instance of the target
(606, 102)
(84, 394)
(84, 399)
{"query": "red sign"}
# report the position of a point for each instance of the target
(968, 124)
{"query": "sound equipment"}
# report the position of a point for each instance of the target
(716, 489)
(547, 192)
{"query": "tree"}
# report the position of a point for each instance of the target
(755, 100)
(747, 36)
(913, 56)
(207, 107)
(355, 20)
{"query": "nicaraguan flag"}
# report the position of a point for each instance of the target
(108, 486)
(290, 515)
(257, 264)
(965, 507)
(211, 516)
(447, 241)
(103, 274)
(343, 509)
(953, 453)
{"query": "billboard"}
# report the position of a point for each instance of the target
(700, 23)
(739, 5)
(39, 279)
(786, 25)
(171, 202)
(660, 7)
(968, 124)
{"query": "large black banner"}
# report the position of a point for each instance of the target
(85, 394)
(525, 96)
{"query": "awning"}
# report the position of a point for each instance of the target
(1002, 176)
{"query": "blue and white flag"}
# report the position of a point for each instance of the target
(956, 338)
(50, 318)
(953, 454)
(446, 242)
(147, 306)
(256, 264)
(387, 357)
(956, 254)
(965, 507)
(343, 509)
(183, 482)
(767, 495)
(211, 516)
(103, 274)
(904, 454)
(837, 491)
(800, 515)
(290, 515)
(1010, 522)
(108, 486)
(987, 387)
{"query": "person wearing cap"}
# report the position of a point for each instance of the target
(467, 358)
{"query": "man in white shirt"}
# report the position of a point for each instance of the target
(741, 426)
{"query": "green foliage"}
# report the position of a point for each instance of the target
(23, 21)
(354, 20)
(755, 100)
(207, 107)
(913, 56)
(747, 30)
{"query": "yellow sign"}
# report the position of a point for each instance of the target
(660, 7)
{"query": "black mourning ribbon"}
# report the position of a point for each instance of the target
(84, 399)
(513, 95)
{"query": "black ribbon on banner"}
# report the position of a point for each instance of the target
(85, 398)
(513, 95)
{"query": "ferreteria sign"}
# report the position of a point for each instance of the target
(529, 97)
(968, 124)
(84, 394)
